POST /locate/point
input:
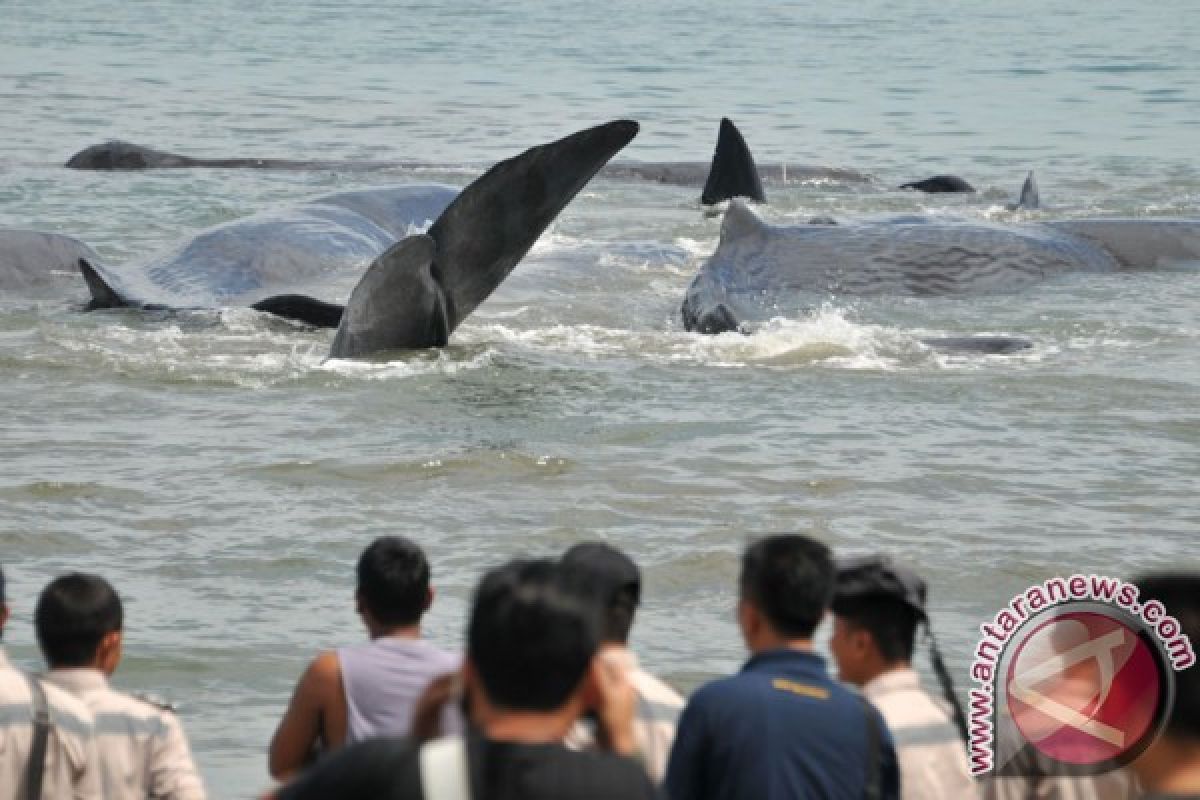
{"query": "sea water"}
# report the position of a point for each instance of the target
(225, 476)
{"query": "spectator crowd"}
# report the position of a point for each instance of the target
(550, 701)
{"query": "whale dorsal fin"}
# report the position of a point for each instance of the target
(103, 295)
(302, 308)
(397, 304)
(494, 222)
(1030, 198)
(733, 172)
(740, 220)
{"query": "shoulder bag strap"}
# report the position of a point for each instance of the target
(36, 768)
(444, 770)
(874, 790)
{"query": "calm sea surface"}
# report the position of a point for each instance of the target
(225, 477)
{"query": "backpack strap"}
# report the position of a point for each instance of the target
(35, 769)
(873, 790)
(444, 770)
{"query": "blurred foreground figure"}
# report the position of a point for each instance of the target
(615, 581)
(63, 763)
(143, 752)
(782, 729)
(1169, 769)
(531, 669)
(877, 607)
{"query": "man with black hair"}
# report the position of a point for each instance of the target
(530, 672)
(782, 729)
(143, 751)
(615, 582)
(370, 689)
(65, 763)
(877, 607)
(1169, 769)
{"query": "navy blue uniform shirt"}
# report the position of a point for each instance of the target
(781, 729)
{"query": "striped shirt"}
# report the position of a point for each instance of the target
(72, 767)
(932, 755)
(143, 752)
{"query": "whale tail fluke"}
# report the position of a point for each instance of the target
(733, 172)
(422, 288)
(302, 308)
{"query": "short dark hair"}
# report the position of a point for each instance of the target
(1179, 592)
(611, 580)
(891, 622)
(790, 579)
(531, 637)
(393, 580)
(74, 612)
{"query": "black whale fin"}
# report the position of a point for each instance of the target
(103, 295)
(733, 172)
(476, 243)
(397, 304)
(302, 308)
(940, 184)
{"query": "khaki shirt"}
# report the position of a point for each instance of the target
(72, 767)
(931, 752)
(657, 714)
(143, 752)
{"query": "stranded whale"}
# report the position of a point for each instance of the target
(415, 289)
(760, 271)
(730, 173)
(32, 260)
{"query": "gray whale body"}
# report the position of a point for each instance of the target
(31, 260)
(414, 290)
(759, 271)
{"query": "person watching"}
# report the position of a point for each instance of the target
(142, 748)
(615, 581)
(781, 728)
(877, 606)
(369, 689)
(65, 763)
(530, 671)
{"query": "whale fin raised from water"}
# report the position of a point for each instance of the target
(103, 295)
(398, 304)
(421, 289)
(1030, 198)
(495, 221)
(733, 172)
(302, 308)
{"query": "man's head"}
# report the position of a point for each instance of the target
(393, 583)
(785, 587)
(531, 637)
(877, 606)
(612, 578)
(78, 621)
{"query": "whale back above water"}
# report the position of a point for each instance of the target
(759, 270)
(414, 290)
(31, 260)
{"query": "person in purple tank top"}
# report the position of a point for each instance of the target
(370, 689)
